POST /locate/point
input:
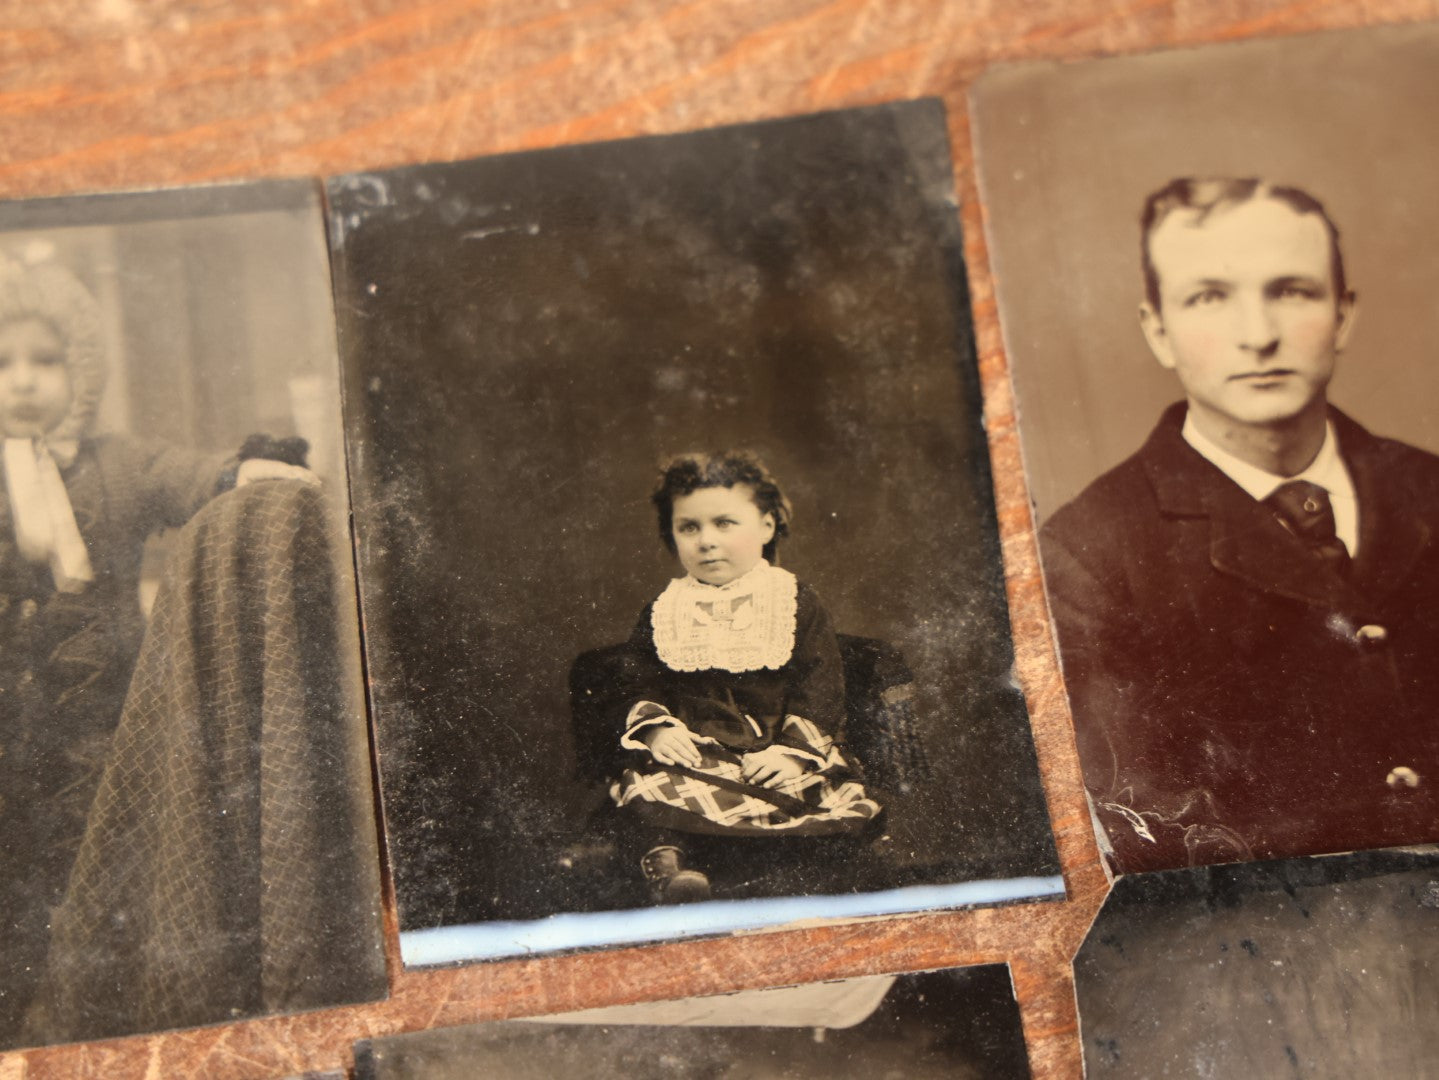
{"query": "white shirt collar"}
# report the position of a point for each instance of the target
(1327, 470)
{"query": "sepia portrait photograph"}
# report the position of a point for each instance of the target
(188, 831)
(1216, 273)
(955, 1023)
(677, 549)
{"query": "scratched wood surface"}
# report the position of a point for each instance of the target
(104, 94)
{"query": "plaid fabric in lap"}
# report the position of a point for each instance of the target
(733, 803)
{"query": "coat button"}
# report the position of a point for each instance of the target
(1369, 634)
(28, 608)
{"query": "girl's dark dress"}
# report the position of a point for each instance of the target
(747, 666)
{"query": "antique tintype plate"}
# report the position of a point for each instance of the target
(957, 1022)
(1245, 600)
(188, 820)
(1323, 967)
(525, 338)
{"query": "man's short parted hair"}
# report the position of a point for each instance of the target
(1206, 195)
(685, 474)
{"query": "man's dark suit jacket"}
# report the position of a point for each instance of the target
(1233, 697)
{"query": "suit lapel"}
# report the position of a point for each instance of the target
(1246, 540)
(1392, 535)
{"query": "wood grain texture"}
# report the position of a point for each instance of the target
(107, 94)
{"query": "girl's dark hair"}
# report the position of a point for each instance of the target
(687, 473)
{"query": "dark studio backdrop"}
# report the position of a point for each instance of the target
(525, 337)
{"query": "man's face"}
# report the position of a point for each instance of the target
(720, 533)
(1249, 320)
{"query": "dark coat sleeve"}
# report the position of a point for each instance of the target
(1129, 730)
(815, 674)
(643, 676)
(174, 482)
(149, 486)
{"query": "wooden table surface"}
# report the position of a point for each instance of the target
(104, 94)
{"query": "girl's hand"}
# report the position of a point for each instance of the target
(770, 767)
(265, 469)
(673, 746)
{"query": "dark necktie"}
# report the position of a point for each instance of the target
(1304, 510)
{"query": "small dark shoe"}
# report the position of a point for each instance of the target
(686, 887)
(669, 882)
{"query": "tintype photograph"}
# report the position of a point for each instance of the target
(1316, 967)
(960, 1023)
(188, 828)
(677, 550)
(1216, 273)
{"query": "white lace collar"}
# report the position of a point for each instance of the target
(744, 625)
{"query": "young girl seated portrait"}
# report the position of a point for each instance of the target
(733, 724)
(75, 513)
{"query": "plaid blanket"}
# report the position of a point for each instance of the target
(228, 867)
(715, 797)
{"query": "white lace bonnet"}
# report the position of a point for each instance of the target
(51, 293)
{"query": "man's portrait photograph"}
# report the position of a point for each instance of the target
(1222, 343)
